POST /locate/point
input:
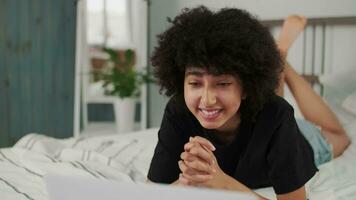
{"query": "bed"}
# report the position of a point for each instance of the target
(126, 157)
(114, 157)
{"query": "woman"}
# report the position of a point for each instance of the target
(224, 127)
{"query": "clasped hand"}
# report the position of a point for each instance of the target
(199, 165)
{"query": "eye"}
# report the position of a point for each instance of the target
(224, 84)
(194, 83)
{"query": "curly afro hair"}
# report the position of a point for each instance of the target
(229, 41)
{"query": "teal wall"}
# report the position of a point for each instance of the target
(159, 10)
(37, 59)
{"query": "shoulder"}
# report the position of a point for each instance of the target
(278, 103)
(178, 117)
(176, 107)
(277, 108)
(275, 112)
(177, 125)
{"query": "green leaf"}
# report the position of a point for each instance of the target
(123, 82)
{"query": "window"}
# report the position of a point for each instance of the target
(109, 23)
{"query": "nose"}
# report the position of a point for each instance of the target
(208, 97)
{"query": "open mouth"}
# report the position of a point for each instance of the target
(210, 114)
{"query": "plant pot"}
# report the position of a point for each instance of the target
(125, 114)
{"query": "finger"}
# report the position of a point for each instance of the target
(201, 141)
(209, 156)
(182, 180)
(204, 142)
(185, 169)
(202, 153)
(189, 145)
(199, 167)
(186, 156)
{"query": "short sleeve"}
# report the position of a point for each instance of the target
(290, 157)
(164, 165)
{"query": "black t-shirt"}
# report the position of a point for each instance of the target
(268, 152)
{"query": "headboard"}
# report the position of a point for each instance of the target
(312, 53)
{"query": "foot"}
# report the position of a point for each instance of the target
(293, 25)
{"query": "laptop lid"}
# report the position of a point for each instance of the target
(61, 187)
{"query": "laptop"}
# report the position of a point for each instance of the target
(61, 187)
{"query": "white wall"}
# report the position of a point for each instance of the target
(341, 54)
(277, 9)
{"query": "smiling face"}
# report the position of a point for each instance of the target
(213, 99)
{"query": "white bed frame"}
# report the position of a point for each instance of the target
(311, 54)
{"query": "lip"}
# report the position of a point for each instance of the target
(210, 114)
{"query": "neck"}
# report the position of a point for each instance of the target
(227, 132)
(231, 125)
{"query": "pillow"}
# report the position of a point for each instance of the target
(338, 85)
(351, 130)
(349, 103)
(345, 117)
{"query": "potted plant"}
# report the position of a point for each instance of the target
(121, 79)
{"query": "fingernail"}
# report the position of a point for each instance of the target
(190, 139)
(213, 149)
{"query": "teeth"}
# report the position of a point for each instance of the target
(209, 113)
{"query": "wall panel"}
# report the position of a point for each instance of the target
(37, 54)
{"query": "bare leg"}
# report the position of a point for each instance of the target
(313, 108)
(292, 26)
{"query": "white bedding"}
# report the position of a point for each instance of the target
(119, 157)
(127, 157)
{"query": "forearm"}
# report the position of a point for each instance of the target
(234, 185)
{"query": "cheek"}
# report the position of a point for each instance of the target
(190, 98)
(236, 105)
(231, 100)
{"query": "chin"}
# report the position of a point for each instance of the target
(210, 125)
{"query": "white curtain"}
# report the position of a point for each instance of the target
(109, 23)
(81, 62)
(126, 29)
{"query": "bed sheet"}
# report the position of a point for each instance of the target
(127, 158)
(116, 157)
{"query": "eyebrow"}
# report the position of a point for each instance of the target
(195, 73)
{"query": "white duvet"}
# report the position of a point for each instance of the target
(119, 157)
(127, 157)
